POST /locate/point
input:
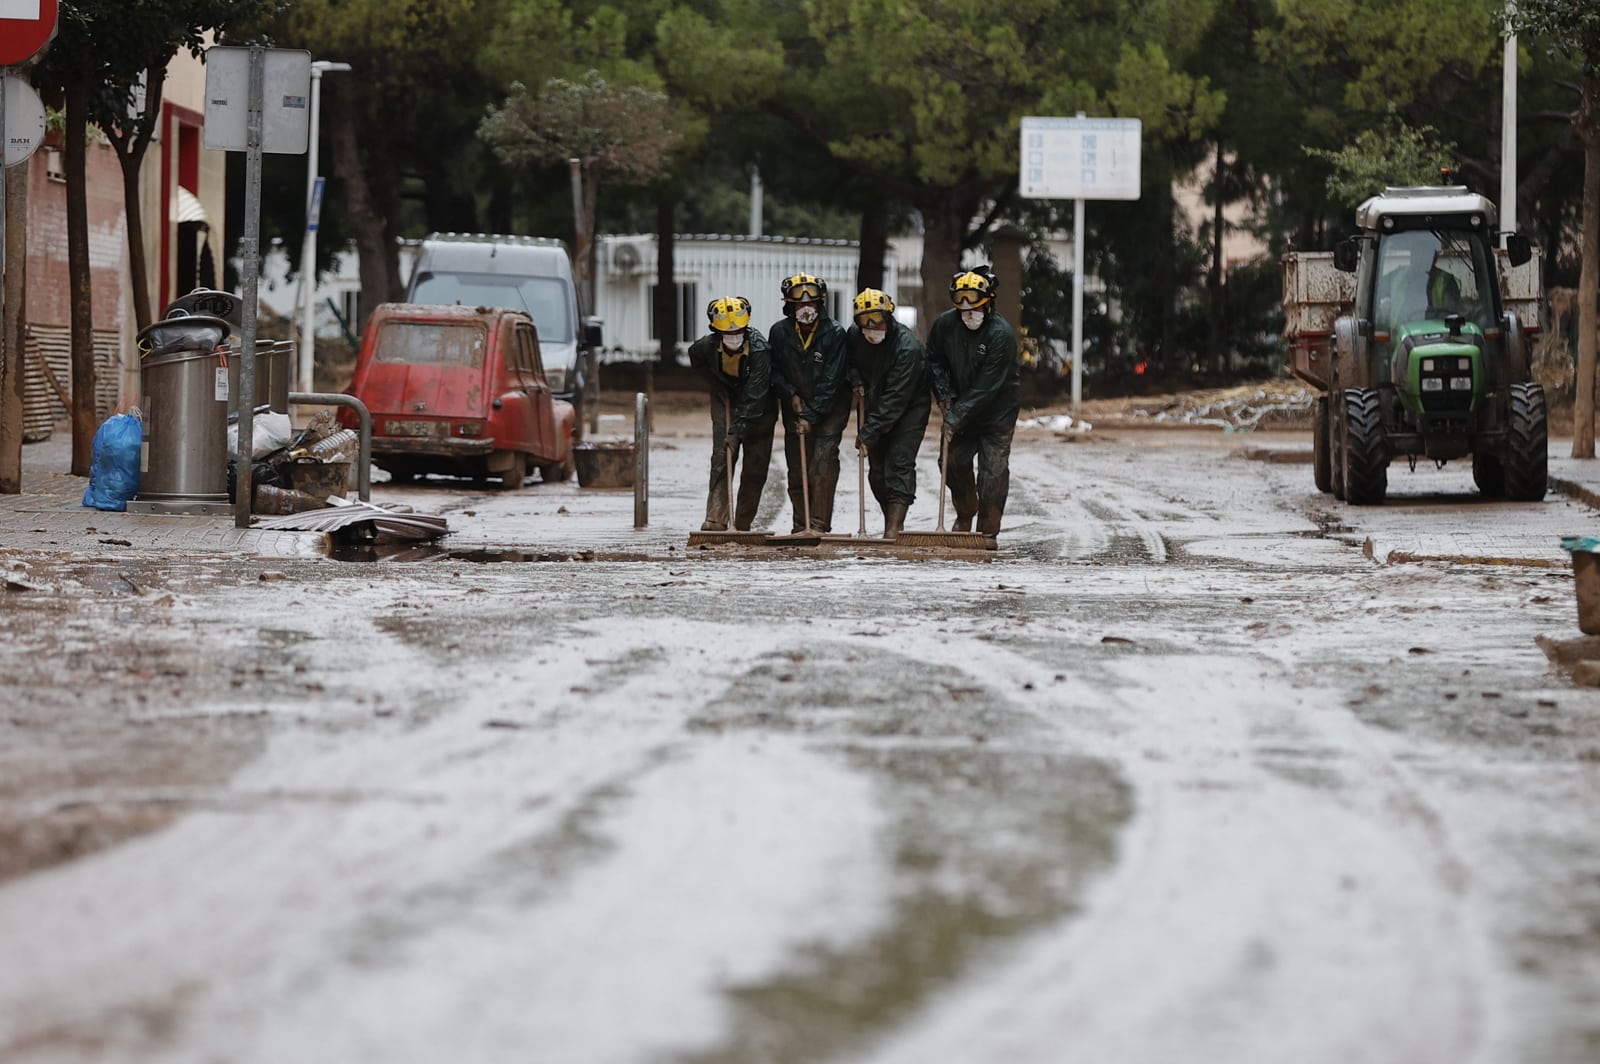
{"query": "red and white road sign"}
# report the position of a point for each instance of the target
(25, 26)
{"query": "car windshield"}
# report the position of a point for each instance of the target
(544, 298)
(431, 343)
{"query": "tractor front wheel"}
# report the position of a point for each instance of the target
(1527, 454)
(1366, 448)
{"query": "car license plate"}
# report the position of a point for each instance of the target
(416, 428)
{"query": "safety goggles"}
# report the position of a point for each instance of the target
(873, 319)
(970, 299)
(803, 291)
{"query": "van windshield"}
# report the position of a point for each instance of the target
(544, 298)
(431, 343)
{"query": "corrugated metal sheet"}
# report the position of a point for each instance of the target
(52, 345)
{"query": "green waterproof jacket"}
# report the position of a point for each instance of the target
(743, 376)
(894, 375)
(977, 370)
(814, 370)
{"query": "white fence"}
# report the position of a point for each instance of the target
(707, 267)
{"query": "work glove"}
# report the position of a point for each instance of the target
(861, 446)
(802, 426)
(860, 392)
(796, 403)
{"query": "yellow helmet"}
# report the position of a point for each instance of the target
(728, 314)
(972, 289)
(803, 286)
(872, 308)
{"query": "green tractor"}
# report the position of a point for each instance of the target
(1426, 361)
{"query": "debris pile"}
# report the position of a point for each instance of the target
(1275, 404)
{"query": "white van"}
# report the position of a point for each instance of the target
(528, 273)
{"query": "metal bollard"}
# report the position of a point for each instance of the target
(641, 460)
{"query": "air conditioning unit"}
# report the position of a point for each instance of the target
(54, 167)
(626, 258)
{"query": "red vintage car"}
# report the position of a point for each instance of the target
(460, 390)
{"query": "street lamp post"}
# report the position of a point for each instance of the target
(308, 264)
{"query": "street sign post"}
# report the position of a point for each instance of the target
(1080, 159)
(257, 100)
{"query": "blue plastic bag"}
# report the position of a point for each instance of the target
(114, 463)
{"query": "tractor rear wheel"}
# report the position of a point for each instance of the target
(1366, 448)
(1527, 455)
(1489, 474)
(1321, 446)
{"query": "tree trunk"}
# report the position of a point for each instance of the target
(378, 281)
(943, 224)
(130, 149)
(1588, 123)
(80, 281)
(874, 247)
(665, 304)
(1166, 284)
(13, 351)
(583, 231)
(1214, 280)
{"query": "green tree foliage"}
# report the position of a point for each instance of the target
(621, 132)
(925, 101)
(1392, 154)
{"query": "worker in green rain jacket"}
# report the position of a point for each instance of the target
(808, 375)
(890, 369)
(977, 378)
(735, 361)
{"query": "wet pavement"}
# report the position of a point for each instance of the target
(1199, 765)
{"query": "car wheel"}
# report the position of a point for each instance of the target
(511, 479)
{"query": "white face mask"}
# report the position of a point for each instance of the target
(733, 340)
(805, 315)
(972, 319)
(875, 336)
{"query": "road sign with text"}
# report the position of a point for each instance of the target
(1080, 158)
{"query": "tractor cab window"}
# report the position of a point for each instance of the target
(1425, 275)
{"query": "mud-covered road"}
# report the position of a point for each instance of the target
(1200, 766)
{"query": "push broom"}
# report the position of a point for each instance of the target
(939, 537)
(708, 538)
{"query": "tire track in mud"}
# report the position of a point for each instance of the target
(988, 837)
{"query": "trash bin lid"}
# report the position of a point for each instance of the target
(189, 332)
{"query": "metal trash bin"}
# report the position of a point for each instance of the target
(274, 370)
(185, 411)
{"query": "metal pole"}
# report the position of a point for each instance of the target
(249, 249)
(756, 205)
(1077, 303)
(308, 259)
(641, 461)
(1508, 131)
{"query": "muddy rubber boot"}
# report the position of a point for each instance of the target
(989, 520)
(894, 518)
(963, 523)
